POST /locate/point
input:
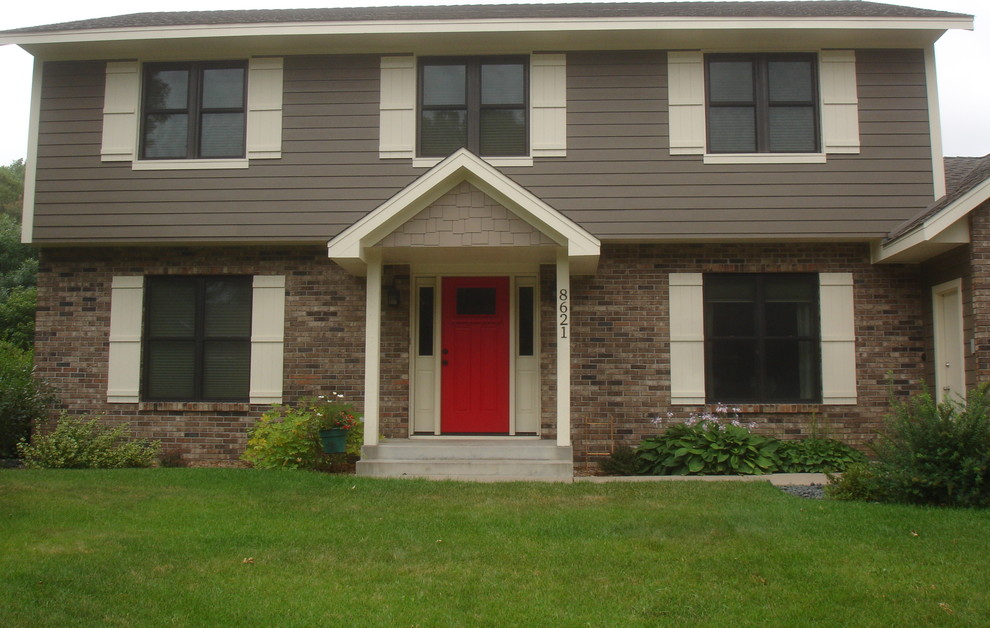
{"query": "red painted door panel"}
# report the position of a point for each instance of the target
(474, 386)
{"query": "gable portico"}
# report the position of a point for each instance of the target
(465, 219)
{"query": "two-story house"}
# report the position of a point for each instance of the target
(514, 235)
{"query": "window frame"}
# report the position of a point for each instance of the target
(761, 337)
(473, 104)
(194, 108)
(199, 336)
(761, 103)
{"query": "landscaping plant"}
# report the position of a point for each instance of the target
(78, 443)
(712, 443)
(287, 437)
(23, 399)
(816, 455)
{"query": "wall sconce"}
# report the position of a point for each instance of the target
(392, 297)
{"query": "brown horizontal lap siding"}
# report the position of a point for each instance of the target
(618, 179)
(620, 182)
(328, 177)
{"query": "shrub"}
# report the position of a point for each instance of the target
(287, 437)
(816, 455)
(937, 453)
(23, 399)
(705, 445)
(859, 482)
(87, 444)
(622, 461)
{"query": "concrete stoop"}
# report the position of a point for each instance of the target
(493, 460)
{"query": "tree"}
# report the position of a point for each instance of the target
(12, 189)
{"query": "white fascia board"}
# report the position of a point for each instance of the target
(386, 27)
(351, 244)
(936, 229)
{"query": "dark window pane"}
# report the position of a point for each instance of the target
(475, 301)
(790, 368)
(222, 135)
(228, 308)
(790, 81)
(223, 88)
(444, 85)
(792, 130)
(226, 369)
(426, 320)
(526, 330)
(503, 132)
(732, 319)
(502, 84)
(171, 309)
(171, 369)
(166, 135)
(443, 132)
(732, 129)
(730, 81)
(167, 89)
(733, 370)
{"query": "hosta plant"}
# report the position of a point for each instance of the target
(712, 443)
(817, 455)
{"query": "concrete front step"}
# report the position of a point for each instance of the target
(468, 459)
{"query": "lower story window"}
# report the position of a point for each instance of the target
(197, 339)
(762, 338)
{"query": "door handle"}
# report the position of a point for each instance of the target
(445, 352)
(443, 363)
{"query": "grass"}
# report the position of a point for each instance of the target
(167, 547)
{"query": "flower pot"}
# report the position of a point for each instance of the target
(334, 441)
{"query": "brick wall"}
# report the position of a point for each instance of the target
(620, 348)
(324, 341)
(980, 292)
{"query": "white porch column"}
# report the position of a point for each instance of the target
(372, 345)
(563, 328)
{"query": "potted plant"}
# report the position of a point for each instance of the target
(335, 419)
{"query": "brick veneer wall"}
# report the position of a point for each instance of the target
(620, 349)
(980, 293)
(324, 340)
(620, 346)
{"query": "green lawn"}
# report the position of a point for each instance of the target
(163, 547)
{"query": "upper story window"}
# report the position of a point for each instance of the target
(193, 110)
(480, 103)
(762, 338)
(762, 103)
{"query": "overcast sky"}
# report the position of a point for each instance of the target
(963, 60)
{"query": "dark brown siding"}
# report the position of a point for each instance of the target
(618, 179)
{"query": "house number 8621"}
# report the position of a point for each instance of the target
(562, 308)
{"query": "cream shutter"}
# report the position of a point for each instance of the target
(838, 338)
(397, 109)
(686, 102)
(264, 108)
(126, 308)
(548, 105)
(267, 338)
(840, 103)
(687, 339)
(120, 110)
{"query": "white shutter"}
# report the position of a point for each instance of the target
(838, 338)
(687, 339)
(548, 105)
(686, 102)
(264, 108)
(120, 110)
(126, 308)
(840, 102)
(397, 110)
(267, 338)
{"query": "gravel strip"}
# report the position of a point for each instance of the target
(810, 491)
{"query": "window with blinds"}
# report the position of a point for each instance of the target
(765, 103)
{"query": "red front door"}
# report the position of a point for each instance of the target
(474, 386)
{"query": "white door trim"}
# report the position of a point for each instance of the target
(947, 327)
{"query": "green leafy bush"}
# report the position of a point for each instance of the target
(708, 444)
(816, 455)
(937, 453)
(859, 482)
(87, 444)
(287, 437)
(622, 461)
(23, 399)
